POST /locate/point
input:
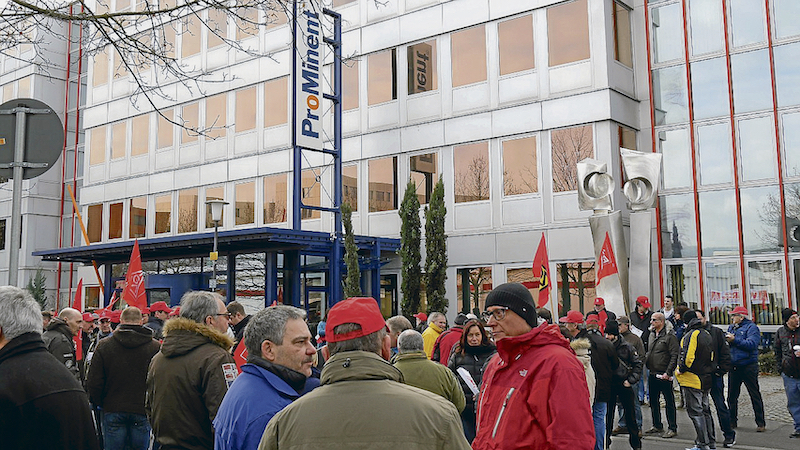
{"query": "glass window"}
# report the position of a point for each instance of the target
(422, 72)
(100, 68)
(246, 23)
(425, 175)
(786, 23)
(122, 5)
(715, 152)
(747, 22)
(515, 38)
(623, 47)
(120, 69)
(682, 283)
(245, 203)
(473, 286)
(679, 235)
(752, 83)
(311, 193)
(381, 69)
(677, 160)
(118, 139)
(520, 174)
(187, 210)
(667, 33)
(576, 287)
(569, 145)
(216, 114)
(468, 56)
(382, 184)
(214, 193)
(792, 196)
(761, 220)
(168, 39)
(705, 21)
(337, 3)
(765, 283)
(723, 293)
(627, 138)
(190, 37)
(350, 84)
(140, 134)
(275, 196)
(787, 73)
(670, 95)
(525, 277)
(190, 119)
(217, 27)
(568, 32)
(138, 217)
(276, 102)
(98, 149)
(163, 213)
(94, 223)
(718, 231)
(710, 94)
(246, 109)
(471, 164)
(115, 220)
(276, 18)
(791, 143)
(165, 128)
(757, 149)
(350, 186)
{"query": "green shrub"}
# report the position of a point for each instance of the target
(768, 364)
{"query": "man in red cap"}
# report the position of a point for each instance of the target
(602, 313)
(422, 321)
(379, 410)
(743, 337)
(159, 312)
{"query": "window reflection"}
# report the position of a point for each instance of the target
(276, 18)
(718, 230)
(190, 37)
(275, 196)
(165, 128)
(715, 151)
(765, 291)
(678, 227)
(786, 23)
(94, 223)
(118, 139)
(381, 70)
(471, 164)
(163, 213)
(187, 210)
(246, 23)
(752, 84)
(670, 95)
(190, 120)
(705, 17)
(115, 220)
(473, 285)
(276, 102)
(468, 56)
(568, 146)
(350, 186)
(710, 89)
(747, 22)
(100, 68)
(568, 32)
(623, 48)
(723, 290)
(217, 27)
(245, 203)
(520, 175)
(667, 25)
(791, 143)
(576, 286)
(681, 282)
(246, 109)
(422, 72)
(216, 115)
(97, 154)
(425, 175)
(515, 38)
(677, 160)
(214, 193)
(311, 193)
(137, 217)
(382, 184)
(757, 149)
(787, 73)
(350, 84)
(140, 134)
(761, 219)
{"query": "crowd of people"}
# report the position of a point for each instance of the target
(206, 375)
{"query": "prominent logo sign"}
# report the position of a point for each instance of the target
(419, 70)
(308, 59)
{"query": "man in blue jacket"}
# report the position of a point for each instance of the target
(744, 336)
(278, 370)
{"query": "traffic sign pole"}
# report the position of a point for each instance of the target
(16, 201)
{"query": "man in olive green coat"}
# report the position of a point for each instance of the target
(362, 401)
(419, 371)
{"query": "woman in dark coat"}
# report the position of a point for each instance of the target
(472, 352)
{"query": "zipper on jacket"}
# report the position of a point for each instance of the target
(502, 410)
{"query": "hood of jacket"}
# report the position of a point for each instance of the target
(132, 336)
(695, 324)
(182, 335)
(60, 326)
(358, 365)
(508, 348)
(410, 356)
(581, 346)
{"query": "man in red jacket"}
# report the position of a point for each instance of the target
(534, 392)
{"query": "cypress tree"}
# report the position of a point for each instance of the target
(436, 250)
(410, 238)
(352, 282)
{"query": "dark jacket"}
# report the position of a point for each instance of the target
(630, 367)
(636, 342)
(59, 342)
(444, 344)
(662, 356)
(785, 340)
(116, 379)
(42, 405)
(238, 330)
(696, 361)
(744, 348)
(157, 325)
(642, 322)
(474, 361)
(722, 351)
(604, 362)
(186, 383)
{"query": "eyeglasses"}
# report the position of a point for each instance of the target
(227, 314)
(498, 314)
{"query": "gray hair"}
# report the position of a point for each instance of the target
(434, 316)
(269, 325)
(19, 313)
(398, 324)
(410, 341)
(370, 343)
(197, 305)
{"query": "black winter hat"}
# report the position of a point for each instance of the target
(787, 313)
(460, 319)
(612, 327)
(688, 316)
(517, 298)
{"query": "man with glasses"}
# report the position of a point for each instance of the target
(661, 360)
(191, 374)
(512, 409)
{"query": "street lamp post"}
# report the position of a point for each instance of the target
(216, 216)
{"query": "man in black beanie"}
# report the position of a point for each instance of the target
(787, 353)
(515, 414)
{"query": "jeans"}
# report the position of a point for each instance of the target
(699, 410)
(625, 396)
(658, 387)
(637, 406)
(125, 431)
(723, 414)
(643, 384)
(468, 422)
(599, 418)
(792, 386)
(749, 376)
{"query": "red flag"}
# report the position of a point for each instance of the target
(240, 355)
(541, 264)
(606, 262)
(112, 301)
(77, 303)
(134, 293)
